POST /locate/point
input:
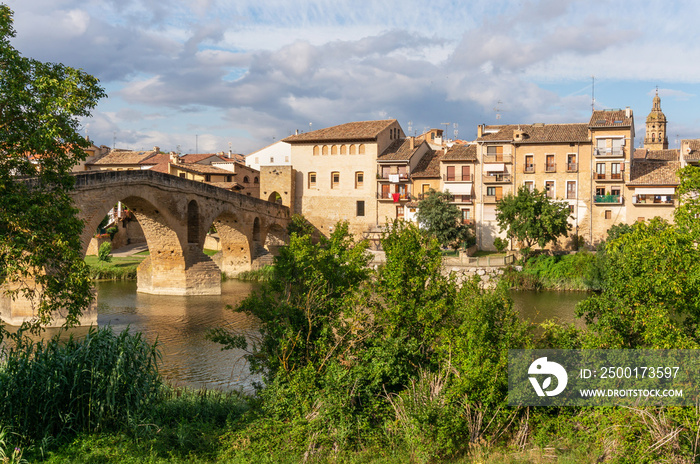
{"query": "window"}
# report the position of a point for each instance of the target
(399, 211)
(571, 165)
(608, 214)
(316, 150)
(496, 151)
(343, 149)
(615, 191)
(360, 208)
(334, 150)
(255, 180)
(402, 171)
(325, 150)
(272, 159)
(600, 170)
(617, 146)
(571, 209)
(312, 179)
(386, 170)
(530, 184)
(335, 179)
(425, 188)
(450, 173)
(361, 149)
(386, 192)
(207, 177)
(549, 188)
(466, 177)
(550, 166)
(229, 178)
(600, 191)
(490, 191)
(352, 149)
(640, 219)
(571, 190)
(615, 171)
(246, 180)
(182, 174)
(529, 163)
(359, 179)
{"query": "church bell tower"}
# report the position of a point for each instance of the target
(655, 137)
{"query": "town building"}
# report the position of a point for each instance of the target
(276, 154)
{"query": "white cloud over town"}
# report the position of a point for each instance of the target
(207, 73)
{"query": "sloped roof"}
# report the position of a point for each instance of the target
(351, 131)
(203, 169)
(659, 155)
(399, 150)
(610, 118)
(539, 133)
(460, 152)
(694, 154)
(654, 172)
(429, 165)
(124, 157)
(199, 157)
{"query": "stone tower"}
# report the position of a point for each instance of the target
(655, 137)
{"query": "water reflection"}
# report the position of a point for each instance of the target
(180, 325)
(549, 305)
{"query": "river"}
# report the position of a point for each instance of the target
(180, 325)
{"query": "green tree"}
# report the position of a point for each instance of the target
(442, 219)
(651, 291)
(687, 215)
(104, 252)
(41, 105)
(532, 218)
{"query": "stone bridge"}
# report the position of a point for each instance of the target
(175, 215)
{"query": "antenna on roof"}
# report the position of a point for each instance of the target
(410, 127)
(447, 126)
(455, 131)
(497, 109)
(114, 141)
(592, 94)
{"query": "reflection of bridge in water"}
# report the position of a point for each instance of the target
(175, 215)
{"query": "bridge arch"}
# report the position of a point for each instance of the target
(192, 222)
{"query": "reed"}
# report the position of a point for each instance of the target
(56, 388)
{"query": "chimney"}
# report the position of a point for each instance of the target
(412, 142)
(296, 132)
(174, 159)
(628, 112)
(479, 130)
(156, 149)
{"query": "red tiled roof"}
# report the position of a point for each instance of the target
(654, 172)
(694, 154)
(400, 150)
(429, 165)
(124, 157)
(203, 169)
(196, 158)
(460, 152)
(610, 118)
(539, 133)
(362, 130)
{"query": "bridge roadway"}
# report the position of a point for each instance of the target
(175, 215)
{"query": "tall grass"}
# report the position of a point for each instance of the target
(56, 388)
(264, 274)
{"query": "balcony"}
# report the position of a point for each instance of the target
(653, 200)
(458, 178)
(468, 222)
(616, 176)
(390, 196)
(571, 167)
(504, 158)
(529, 168)
(496, 178)
(611, 152)
(462, 199)
(612, 177)
(599, 176)
(550, 167)
(570, 195)
(607, 199)
(492, 198)
(386, 177)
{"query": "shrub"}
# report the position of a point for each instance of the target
(103, 254)
(57, 388)
(500, 243)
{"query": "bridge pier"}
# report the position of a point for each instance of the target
(192, 274)
(23, 308)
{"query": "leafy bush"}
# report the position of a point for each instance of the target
(500, 243)
(103, 254)
(55, 388)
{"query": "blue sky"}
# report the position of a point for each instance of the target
(206, 75)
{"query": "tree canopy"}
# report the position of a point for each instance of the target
(41, 106)
(532, 218)
(437, 216)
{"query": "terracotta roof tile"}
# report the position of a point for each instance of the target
(460, 152)
(694, 154)
(540, 133)
(610, 118)
(196, 158)
(203, 169)
(664, 155)
(429, 165)
(124, 157)
(654, 172)
(362, 130)
(399, 150)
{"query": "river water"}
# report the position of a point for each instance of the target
(180, 325)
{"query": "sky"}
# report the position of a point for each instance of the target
(204, 76)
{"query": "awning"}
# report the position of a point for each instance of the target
(464, 188)
(499, 167)
(655, 191)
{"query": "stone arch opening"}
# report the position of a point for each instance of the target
(192, 222)
(275, 197)
(256, 230)
(276, 238)
(235, 242)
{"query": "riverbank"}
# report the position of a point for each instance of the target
(119, 268)
(572, 272)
